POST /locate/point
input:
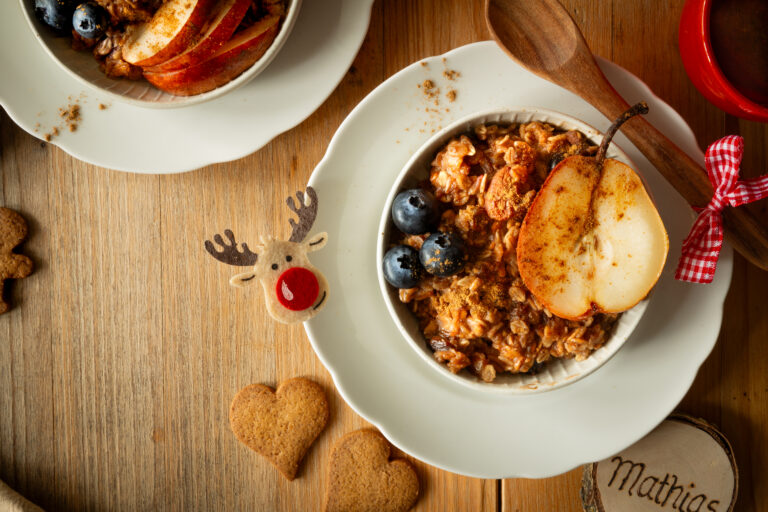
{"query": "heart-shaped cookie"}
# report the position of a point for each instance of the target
(280, 425)
(362, 478)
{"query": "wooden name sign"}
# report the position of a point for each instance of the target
(684, 465)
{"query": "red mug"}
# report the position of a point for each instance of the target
(702, 68)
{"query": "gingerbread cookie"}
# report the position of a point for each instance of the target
(294, 289)
(13, 229)
(280, 425)
(362, 478)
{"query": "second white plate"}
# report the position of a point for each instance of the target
(445, 423)
(318, 53)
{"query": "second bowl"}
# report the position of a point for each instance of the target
(82, 66)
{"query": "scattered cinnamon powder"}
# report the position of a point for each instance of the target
(487, 299)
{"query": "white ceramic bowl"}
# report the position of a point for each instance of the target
(85, 68)
(557, 372)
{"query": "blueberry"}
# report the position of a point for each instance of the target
(556, 159)
(415, 211)
(57, 14)
(90, 20)
(535, 368)
(401, 267)
(442, 254)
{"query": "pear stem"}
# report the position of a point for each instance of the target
(639, 108)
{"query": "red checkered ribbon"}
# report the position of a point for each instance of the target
(702, 247)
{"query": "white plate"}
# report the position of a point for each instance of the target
(445, 423)
(556, 373)
(322, 45)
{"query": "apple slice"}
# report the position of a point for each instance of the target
(227, 62)
(592, 241)
(225, 17)
(171, 30)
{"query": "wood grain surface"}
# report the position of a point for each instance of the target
(125, 347)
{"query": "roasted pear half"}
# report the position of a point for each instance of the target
(592, 241)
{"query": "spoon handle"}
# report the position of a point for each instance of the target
(747, 234)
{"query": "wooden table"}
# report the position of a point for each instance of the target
(125, 347)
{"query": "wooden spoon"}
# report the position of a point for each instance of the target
(542, 37)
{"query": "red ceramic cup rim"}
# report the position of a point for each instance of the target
(730, 93)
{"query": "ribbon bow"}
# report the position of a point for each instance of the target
(702, 247)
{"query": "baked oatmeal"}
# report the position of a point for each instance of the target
(483, 318)
(103, 27)
(107, 48)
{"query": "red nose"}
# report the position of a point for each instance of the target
(297, 288)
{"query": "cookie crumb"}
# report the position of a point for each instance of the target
(451, 74)
(70, 116)
(103, 106)
(424, 64)
(430, 90)
(451, 95)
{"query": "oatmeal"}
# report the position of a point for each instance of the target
(131, 37)
(130, 11)
(483, 318)
(107, 47)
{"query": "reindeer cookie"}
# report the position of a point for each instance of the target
(294, 289)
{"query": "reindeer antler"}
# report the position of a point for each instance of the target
(306, 213)
(230, 255)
